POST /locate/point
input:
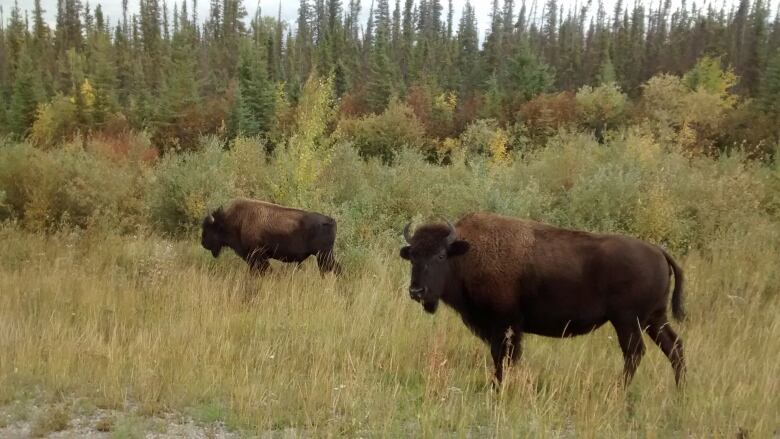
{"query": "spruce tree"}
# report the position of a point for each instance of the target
(380, 85)
(253, 110)
(5, 85)
(102, 72)
(769, 96)
(493, 43)
(27, 93)
(467, 59)
(527, 76)
(756, 49)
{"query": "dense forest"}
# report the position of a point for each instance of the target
(176, 76)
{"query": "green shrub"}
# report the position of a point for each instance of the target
(68, 186)
(544, 115)
(692, 111)
(55, 122)
(601, 108)
(633, 183)
(485, 137)
(186, 186)
(707, 75)
(249, 164)
(301, 161)
(662, 104)
(385, 134)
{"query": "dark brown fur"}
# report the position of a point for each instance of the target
(258, 231)
(503, 274)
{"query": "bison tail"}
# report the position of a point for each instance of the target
(677, 294)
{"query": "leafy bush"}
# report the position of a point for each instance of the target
(308, 151)
(690, 111)
(182, 130)
(602, 107)
(545, 114)
(186, 186)
(249, 164)
(633, 184)
(434, 108)
(747, 129)
(662, 102)
(55, 122)
(384, 135)
(707, 75)
(485, 137)
(69, 186)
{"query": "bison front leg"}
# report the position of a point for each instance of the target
(326, 261)
(257, 260)
(259, 265)
(630, 339)
(504, 346)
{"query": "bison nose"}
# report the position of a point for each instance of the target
(416, 292)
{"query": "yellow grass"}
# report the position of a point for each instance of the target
(158, 325)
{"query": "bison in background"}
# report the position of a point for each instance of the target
(258, 231)
(507, 277)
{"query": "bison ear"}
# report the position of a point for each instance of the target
(458, 248)
(405, 252)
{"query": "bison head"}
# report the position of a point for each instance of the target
(212, 238)
(429, 251)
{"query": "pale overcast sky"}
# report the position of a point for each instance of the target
(113, 8)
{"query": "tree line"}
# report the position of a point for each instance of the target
(177, 75)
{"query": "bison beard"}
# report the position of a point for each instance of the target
(430, 306)
(258, 231)
(510, 276)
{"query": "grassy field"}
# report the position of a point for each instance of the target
(155, 325)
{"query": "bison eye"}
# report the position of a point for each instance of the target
(441, 256)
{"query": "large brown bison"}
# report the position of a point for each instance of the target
(507, 277)
(258, 231)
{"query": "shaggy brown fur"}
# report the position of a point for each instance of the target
(258, 231)
(503, 274)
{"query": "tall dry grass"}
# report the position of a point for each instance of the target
(156, 324)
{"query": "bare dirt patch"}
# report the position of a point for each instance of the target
(28, 420)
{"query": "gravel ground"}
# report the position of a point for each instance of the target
(25, 421)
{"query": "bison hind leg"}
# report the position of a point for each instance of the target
(670, 343)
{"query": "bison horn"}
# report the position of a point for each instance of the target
(407, 235)
(210, 219)
(451, 236)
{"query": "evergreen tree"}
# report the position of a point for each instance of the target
(493, 43)
(253, 110)
(756, 49)
(407, 42)
(5, 85)
(380, 85)
(526, 75)
(769, 96)
(157, 71)
(27, 93)
(607, 73)
(16, 35)
(467, 59)
(40, 29)
(102, 71)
